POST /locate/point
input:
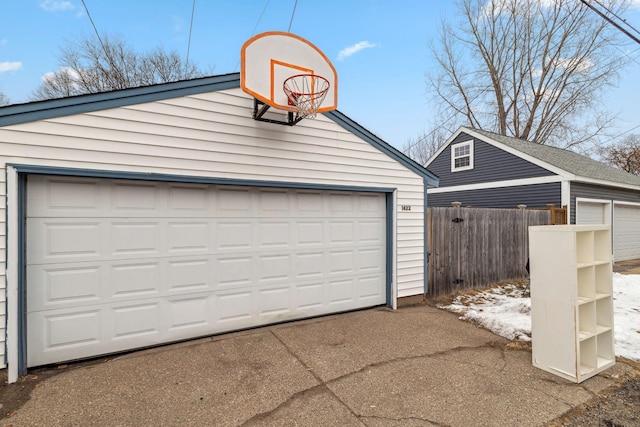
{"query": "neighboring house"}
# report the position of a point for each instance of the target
(486, 170)
(157, 214)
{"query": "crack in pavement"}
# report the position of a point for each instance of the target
(323, 386)
(378, 417)
(414, 357)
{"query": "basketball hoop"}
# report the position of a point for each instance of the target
(306, 92)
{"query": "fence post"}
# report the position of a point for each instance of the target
(523, 247)
(552, 212)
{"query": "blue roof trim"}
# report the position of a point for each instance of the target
(192, 179)
(40, 110)
(355, 128)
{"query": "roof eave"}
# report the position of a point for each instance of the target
(41, 110)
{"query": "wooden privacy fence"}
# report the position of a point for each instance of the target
(473, 247)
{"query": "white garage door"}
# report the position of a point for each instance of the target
(591, 212)
(626, 232)
(114, 265)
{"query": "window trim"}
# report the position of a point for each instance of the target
(454, 157)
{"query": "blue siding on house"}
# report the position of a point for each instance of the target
(591, 191)
(490, 164)
(534, 196)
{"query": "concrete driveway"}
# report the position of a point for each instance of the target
(417, 366)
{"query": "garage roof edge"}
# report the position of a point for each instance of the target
(40, 110)
(353, 127)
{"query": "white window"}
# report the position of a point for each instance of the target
(462, 156)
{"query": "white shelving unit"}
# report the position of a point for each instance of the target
(571, 299)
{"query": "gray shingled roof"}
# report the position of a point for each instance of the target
(574, 163)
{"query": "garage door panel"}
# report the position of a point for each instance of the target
(135, 321)
(182, 261)
(274, 234)
(369, 288)
(188, 275)
(591, 212)
(309, 233)
(136, 280)
(191, 236)
(65, 286)
(626, 232)
(134, 238)
(273, 203)
(136, 197)
(64, 240)
(63, 196)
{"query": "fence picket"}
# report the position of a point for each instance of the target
(484, 247)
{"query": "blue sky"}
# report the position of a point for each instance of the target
(380, 48)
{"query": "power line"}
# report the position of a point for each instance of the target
(253, 32)
(115, 68)
(86, 9)
(612, 22)
(193, 9)
(617, 16)
(292, 13)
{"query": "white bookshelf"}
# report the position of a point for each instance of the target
(571, 299)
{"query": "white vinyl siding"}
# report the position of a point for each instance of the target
(3, 265)
(213, 135)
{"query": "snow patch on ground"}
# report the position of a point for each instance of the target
(506, 311)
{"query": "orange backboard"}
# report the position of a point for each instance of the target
(268, 59)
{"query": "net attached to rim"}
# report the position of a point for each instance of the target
(306, 92)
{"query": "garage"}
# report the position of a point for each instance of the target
(153, 215)
(117, 264)
(626, 231)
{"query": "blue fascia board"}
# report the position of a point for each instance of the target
(40, 110)
(192, 179)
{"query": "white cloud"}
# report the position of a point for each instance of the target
(10, 66)
(3, 42)
(348, 51)
(72, 74)
(56, 5)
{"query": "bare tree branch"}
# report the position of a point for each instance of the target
(531, 69)
(87, 66)
(624, 155)
(4, 100)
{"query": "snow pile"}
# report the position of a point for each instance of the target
(626, 315)
(506, 311)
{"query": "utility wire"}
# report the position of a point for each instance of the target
(611, 21)
(255, 27)
(602, 5)
(86, 9)
(116, 69)
(193, 9)
(292, 13)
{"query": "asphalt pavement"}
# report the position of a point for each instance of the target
(416, 366)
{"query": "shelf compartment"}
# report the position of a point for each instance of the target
(601, 245)
(604, 313)
(586, 283)
(588, 356)
(584, 247)
(587, 320)
(603, 279)
(604, 348)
